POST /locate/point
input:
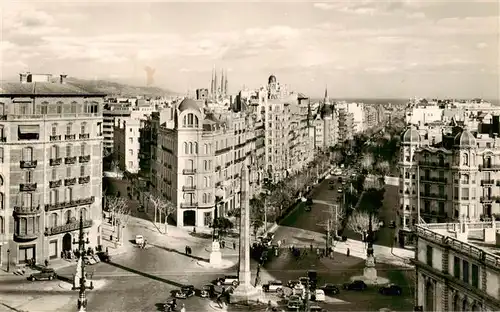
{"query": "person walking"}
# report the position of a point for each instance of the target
(183, 309)
(348, 252)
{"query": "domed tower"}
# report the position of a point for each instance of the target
(272, 87)
(410, 142)
(469, 202)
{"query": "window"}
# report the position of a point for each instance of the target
(83, 128)
(28, 176)
(54, 152)
(475, 276)
(456, 267)
(465, 271)
(190, 148)
(131, 140)
(429, 255)
(85, 213)
(68, 150)
(205, 149)
(27, 154)
(69, 128)
(1, 155)
(54, 174)
(59, 108)
(131, 152)
(196, 147)
(68, 172)
(205, 200)
(54, 219)
(2, 227)
(82, 171)
(186, 149)
(205, 181)
(83, 149)
(54, 197)
(69, 194)
(130, 164)
(1, 201)
(54, 129)
(27, 199)
(465, 160)
(43, 108)
(67, 216)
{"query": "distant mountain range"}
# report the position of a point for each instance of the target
(112, 88)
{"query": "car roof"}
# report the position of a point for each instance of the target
(319, 291)
(48, 270)
(187, 286)
(276, 281)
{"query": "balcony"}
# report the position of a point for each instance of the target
(189, 188)
(434, 196)
(70, 137)
(84, 136)
(228, 164)
(189, 205)
(434, 164)
(54, 184)
(489, 167)
(487, 182)
(26, 236)
(84, 180)
(3, 139)
(70, 160)
(55, 161)
(27, 187)
(188, 171)
(487, 199)
(73, 226)
(434, 179)
(27, 210)
(55, 138)
(70, 204)
(28, 164)
(84, 159)
(70, 181)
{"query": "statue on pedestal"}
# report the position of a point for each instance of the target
(369, 271)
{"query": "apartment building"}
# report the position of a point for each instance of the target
(458, 266)
(126, 143)
(50, 167)
(346, 125)
(198, 151)
(448, 172)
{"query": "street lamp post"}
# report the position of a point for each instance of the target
(8, 260)
(369, 250)
(82, 299)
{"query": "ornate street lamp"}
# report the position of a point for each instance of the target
(8, 260)
(82, 299)
(369, 250)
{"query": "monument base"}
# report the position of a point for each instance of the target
(215, 258)
(370, 273)
(244, 294)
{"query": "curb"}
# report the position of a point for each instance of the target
(11, 308)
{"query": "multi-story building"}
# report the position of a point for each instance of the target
(448, 172)
(126, 143)
(50, 167)
(346, 125)
(198, 151)
(458, 266)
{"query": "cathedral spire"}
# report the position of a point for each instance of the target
(326, 94)
(216, 87)
(222, 82)
(212, 82)
(225, 82)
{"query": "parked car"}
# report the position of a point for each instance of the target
(140, 208)
(330, 289)
(307, 208)
(316, 309)
(292, 283)
(185, 292)
(318, 295)
(104, 256)
(392, 224)
(339, 190)
(44, 274)
(381, 223)
(355, 285)
(139, 239)
(304, 280)
(228, 280)
(207, 291)
(273, 286)
(391, 290)
(270, 235)
(294, 304)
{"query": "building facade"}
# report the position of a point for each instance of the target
(50, 168)
(458, 266)
(126, 143)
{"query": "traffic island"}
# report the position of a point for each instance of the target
(223, 264)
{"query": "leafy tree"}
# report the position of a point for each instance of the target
(222, 225)
(367, 162)
(383, 167)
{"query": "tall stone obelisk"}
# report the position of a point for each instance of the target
(244, 292)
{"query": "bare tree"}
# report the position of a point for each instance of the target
(120, 213)
(367, 162)
(162, 206)
(359, 222)
(384, 167)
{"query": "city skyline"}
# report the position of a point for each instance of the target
(359, 49)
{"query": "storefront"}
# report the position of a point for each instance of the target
(26, 252)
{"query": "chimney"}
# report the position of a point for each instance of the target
(62, 78)
(23, 77)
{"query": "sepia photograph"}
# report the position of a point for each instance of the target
(198, 156)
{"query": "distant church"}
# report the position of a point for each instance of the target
(218, 89)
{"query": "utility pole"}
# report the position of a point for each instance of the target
(82, 299)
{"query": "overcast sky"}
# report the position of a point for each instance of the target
(371, 48)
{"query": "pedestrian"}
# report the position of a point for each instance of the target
(223, 244)
(186, 250)
(46, 262)
(348, 252)
(234, 245)
(183, 309)
(311, 246)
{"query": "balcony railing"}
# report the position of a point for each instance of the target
(27, 236)
(188, 188)
(27, 187)
(489, 167)
(188, 171)
(83, 180)
(487, 199)
(27, 210)
(3, 139)
(70, 160)
(436, 164)
(67, 227)
(189, 205)
(28, 164)
(70, 181)
(84, 159)
(434, 179)
(52, 116)
(487, 182)
(434, 196)
(84, 135)
(55, 138)
(70, 137)
(55, 161)
(53, 184)
(69, 204)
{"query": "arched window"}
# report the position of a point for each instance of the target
(464, 305)
(85, 213)
(69, 128)
(465, 158)
(186, 149)
(189, 164)
(190, 120)
(27, 154)
(205, 181)
(1, 154)
(54, 220)
(1, 180)
(196, 121)
(67, 216)
(2, 226)
(69, 151)
(190, 148)
(196, 147)
(465, 178)
(429, 296)
(54, 129)
(69, 194)
(184, 121)
(1, 201)
(190, 181)
(83, 128)
(209, 165)
(441, 160)
(83, 149)
(487, 162)
(205, 165)
(54, 152)
(205, 198)
(455, 304)
(205, 149)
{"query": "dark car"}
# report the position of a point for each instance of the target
(330, 289)
(355, 285)
(391, 290)
(340, 180)
(307, 208)
(104, 256)
(292, 283)
(392, 224)
(185, 292)
(207, 291)
(44, 274)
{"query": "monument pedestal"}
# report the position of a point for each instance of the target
(244, 294)
(215, 254)
(369, 272)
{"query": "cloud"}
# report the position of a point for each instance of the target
(22, 21)
(482, 45)
(324, 6)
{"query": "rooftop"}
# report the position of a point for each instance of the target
(43, 88)
(467, 237)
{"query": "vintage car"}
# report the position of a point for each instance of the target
(44, 274)
(228, 280)
(185, 292)
(207, 291)
(273, 286)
